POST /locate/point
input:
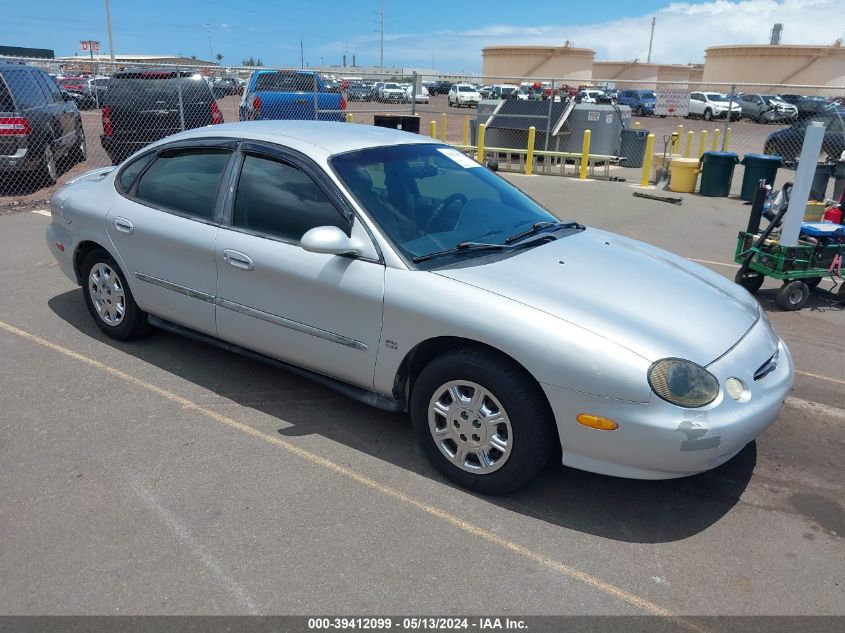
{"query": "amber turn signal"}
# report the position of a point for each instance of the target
(597, 422)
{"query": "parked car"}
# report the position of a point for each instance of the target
(224, 87)
(766, 108)
(144, 105)
(461, 95)
(787, 142)
(290, 94)
(809, 107)
(641, 102)
(99, 85)
(443, 87)
(420, 97)
(80, 88)
(358, 92)
(38, 125)
(713, 105)
(593, 95)
(507, 91)
(391, 92)
(323, 255)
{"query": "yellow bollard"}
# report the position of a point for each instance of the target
(636, 124)
(649, 152)
(716, 134)
(690, 141)
(727, 138)
(702, 143)
(432, 130)
(479, 154)
(466, 130)
(585, 155)
(529, 158)
(349, 117)
(443, 128)
(676, 144)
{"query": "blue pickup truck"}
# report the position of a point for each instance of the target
(290, 94)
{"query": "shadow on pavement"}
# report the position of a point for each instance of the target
(821, 300)
(620, 509)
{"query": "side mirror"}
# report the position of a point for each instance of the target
(329, 240)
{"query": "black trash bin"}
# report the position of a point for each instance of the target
(758, 167)
(405, 122)
(717, 172)
(633, 147)
(820, 180)
(839, 183)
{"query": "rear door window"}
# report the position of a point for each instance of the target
(51, 87)
(184, 181)
(28, 93)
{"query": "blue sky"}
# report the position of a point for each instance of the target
(449, 32)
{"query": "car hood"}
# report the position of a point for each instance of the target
(650, 301)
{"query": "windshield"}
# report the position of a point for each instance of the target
(647, 94)
(391, 87)
(466, 89)
(428, 198)
(712, 96)
(506, 90)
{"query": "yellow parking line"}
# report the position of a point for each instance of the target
(393, 493)
(707, 261)
(820, 377)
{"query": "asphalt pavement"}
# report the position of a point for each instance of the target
(165, 476)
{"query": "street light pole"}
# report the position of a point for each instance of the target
(651, 40)
(111, 38)
(381, 56)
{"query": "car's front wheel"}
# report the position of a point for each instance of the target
(708, 114)
(109, 299)
(482, 421)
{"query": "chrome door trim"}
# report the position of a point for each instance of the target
(290, 324)
(169, 285)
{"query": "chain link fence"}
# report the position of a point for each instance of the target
(59, 120)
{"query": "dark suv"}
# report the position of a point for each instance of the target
(145, 105)
(38, 124)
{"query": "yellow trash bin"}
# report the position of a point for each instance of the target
(684, 175)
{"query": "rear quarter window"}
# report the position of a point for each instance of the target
(6, 103)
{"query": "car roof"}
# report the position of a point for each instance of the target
(313, 138)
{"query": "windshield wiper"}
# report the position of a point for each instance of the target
(463, 247)
(538, 227)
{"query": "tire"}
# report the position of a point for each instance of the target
(526, 431)
(708, 114)
(79, 152)
(48, 170)
(131, 322)
(793, 295)
(751, 280)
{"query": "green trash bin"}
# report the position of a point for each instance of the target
(758, 167)
(717, 171)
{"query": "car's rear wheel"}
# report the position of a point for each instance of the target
(79, 152)
(48, 170)
(793, 295)
(482, 421)
(109, 299)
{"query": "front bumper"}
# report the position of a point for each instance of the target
(658, 440)
(55, 234)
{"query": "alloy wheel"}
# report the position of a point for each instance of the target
(107, 294)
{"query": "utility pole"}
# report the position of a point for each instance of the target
(301, 55)
(210, 47)
(651, 40)
(111, 39)
(381, 20)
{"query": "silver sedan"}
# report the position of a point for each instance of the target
(404, 274)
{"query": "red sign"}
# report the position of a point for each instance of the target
(90, 45)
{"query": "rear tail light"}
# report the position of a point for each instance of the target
(342, 103)
(14, 126)
(256, 103)
(107, 129)
(216, 115)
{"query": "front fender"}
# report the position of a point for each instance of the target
(419, 306)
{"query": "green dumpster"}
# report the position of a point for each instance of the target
(758, 167)
(717, 171)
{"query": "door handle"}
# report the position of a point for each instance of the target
(123, 225)
(238, 259)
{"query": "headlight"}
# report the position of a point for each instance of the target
(683, 383)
